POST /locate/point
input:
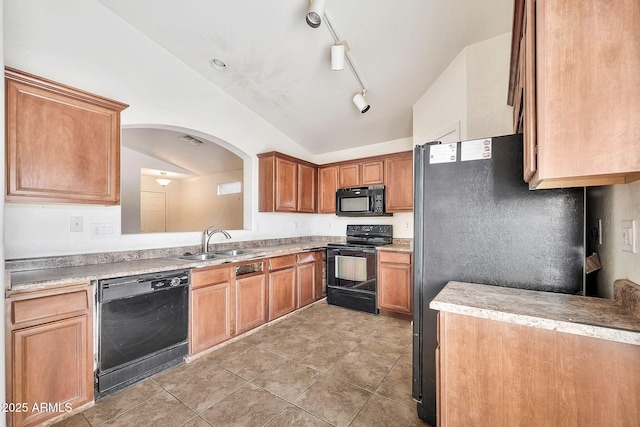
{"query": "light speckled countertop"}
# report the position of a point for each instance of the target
(397, 247)
(574, 314)
(49, 277)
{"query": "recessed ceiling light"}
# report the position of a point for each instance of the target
(218, 64)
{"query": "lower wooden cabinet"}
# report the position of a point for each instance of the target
(495, 373)
(49, 353)
(395, 281)
(282, 286)
(307, 277)
(211, 308)
(251, 302)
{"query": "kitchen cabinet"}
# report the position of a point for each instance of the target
(282, 286)
(395, 281)
(574, 87)
(251, 299)
(327, 187)
(349, 175)
(307, 277)
(211, 307)
(49, 352)
(286, 184)
(399, 183)
(361, 174)
(62, 144)
(494, 373)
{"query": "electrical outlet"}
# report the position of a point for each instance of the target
(629, 236)
(102, 230)
(76, 224)
(407, 225)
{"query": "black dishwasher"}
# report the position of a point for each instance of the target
(143, 325)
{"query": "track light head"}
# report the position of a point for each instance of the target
(361, 103)
(315, 12)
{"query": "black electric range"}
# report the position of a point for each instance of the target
(352, 267)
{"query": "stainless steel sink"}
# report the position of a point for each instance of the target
(233, 252)
(200, 257)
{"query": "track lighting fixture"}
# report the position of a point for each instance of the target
(338, 52)
(360, 102)
(315, 12)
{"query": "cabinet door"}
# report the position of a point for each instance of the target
(306, 188)
(349, 176)
(529, 83)
(251, 303)
(52, 363)
(372, 173)
(328, 185)
(211, 317)
(282, 292)
(63, 144)
(286, 185)
(395, 288)
(399, 184)
(306, 276)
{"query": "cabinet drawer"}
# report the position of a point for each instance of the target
(282, 262)
(395, 257)
(209, 276)
(307, 257)
(43, 308)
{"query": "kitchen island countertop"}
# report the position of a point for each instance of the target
(588, 316)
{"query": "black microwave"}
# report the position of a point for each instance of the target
(361, 201)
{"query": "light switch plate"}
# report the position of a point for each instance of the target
(629, 236)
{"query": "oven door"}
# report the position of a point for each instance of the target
(352, 268)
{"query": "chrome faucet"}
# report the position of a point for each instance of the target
(206, 236)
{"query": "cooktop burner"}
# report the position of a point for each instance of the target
(367, 236)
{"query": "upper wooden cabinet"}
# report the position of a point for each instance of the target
(361, 174)
(62, 144)
(327, 187)
(286, 184)
(399, 183)
(575, 87)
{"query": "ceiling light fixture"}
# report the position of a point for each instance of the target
(361, 102)
(338, 51)
(315, 12)
(218, 64)
(162, 180)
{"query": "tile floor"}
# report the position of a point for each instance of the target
(322, 366)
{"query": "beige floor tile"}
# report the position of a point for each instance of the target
(372, 348)
(231, 350)
(288, 380)
(345, 339)
(397, 385)
(318, 356)
(309, 330)
(122, 401)
(249, 406)
(170, 378)
(335, 401)
(77, 420)
(263, 334)
(250, 364)
(381, 412)
(364, 373)
(393, 334)
(284, 344)
(294, 416)
(196, 422)
(162, 410)
(208, 387)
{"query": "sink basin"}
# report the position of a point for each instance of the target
(232, 252)
(200, 257)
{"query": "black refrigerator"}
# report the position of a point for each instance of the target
(475, 220)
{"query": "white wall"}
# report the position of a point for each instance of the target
(613, 205)
(469, 97)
